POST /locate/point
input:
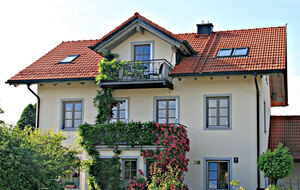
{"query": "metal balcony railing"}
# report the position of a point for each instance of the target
(156, 69)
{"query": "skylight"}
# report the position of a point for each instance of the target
(224, 53)
(69, 59)
(240, 51)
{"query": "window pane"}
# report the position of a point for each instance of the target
(172, 120)
(161, 104)
(223, 111)
(139, 57)
(127, 175)
(224, 103)
(162, 121)
(115, 114)
(69, 106)
(146, 57)
(212, 112)
(212, 103)
(213, 175)
(68, 115)
(147, 49)
(77, 106)
(224, 52)
(138, 50)
(77, 115)
(212, 121)
(133, 165)
(213, 165)
(122, 115)
(223, 177)
(240, 51)
(212, 184)
(223, 120)
(68, 123)
(123, 105)
(162, 113)
(172, 104)
(172, 113)
(77, 123)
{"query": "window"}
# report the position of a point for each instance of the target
(142, 52)
(69, 59)
(217, 112)
(217, 174)
(166, 110)
(129, 170)
(119, 111)
(224, 53)
(72, 114)
(240, 51)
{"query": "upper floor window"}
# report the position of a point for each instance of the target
(142, 52)
(224, 53)
(72, 114)
(119, 111)
(217, 112)
(233, 52)
(240, 51)
(166, 110)
(69, 59)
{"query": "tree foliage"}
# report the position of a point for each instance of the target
(34, 159)
(276, 164)
(1, 112)
(27, 117)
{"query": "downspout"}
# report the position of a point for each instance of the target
(257, 127)
(37, 108)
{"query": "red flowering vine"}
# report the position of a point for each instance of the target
(172, 145)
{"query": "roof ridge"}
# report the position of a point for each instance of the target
(79, 40)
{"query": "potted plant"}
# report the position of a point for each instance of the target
(70, 184)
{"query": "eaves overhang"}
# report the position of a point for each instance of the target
(36, 81)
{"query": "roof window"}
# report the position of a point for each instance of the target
(224, 52)
(69, 59)
(243, 51)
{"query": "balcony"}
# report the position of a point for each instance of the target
(142, 74)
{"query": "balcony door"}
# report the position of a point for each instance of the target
(142, 52)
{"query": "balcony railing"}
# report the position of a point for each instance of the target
(143, 74)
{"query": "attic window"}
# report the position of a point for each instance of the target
(69, 59)
(224, 52)
(240, 51)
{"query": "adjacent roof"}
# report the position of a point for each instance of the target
(47, 68)
(267, 53)
(285, 129)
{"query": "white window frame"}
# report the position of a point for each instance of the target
(61, 120)
(127, 100)
(177, 99)
(151, 43)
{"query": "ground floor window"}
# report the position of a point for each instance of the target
(129, 170)
(217, 174)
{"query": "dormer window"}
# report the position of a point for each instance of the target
(69, 59)
(224, 52)
(243, 51)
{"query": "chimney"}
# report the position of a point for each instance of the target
(205, 28)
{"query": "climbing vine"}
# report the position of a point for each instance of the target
(171, 141)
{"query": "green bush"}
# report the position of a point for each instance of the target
(34, 159)
(276, 164)
(27, 117)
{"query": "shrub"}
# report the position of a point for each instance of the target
(27, 117)
(276, 164)
(33, 159)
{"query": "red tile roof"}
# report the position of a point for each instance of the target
(46, 68)
(285, 129)
(267, 52)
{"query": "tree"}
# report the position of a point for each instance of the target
(1, 112)
(276, 164)
(27, 117)
(34, 159)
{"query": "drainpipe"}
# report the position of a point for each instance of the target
(257, 127)
(37, 107)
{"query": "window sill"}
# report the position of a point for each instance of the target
(217, 128)
(69, 129)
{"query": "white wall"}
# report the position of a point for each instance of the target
(240, 141)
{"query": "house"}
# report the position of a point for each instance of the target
(220, 84)
(286, 130)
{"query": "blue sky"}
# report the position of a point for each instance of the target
(31, 28)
